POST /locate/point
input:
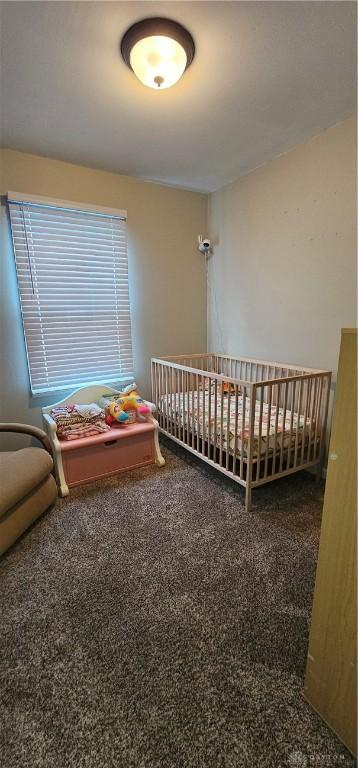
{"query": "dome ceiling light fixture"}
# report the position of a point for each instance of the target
(158, 51)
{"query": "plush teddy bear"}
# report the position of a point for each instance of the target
(123, 405)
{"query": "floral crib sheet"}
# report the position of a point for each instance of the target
(190, 407)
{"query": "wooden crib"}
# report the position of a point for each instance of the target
(253, 420)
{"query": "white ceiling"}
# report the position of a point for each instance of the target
(266, 76)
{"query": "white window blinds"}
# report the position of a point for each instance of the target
(72, 274)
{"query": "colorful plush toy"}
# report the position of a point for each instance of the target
(123, 405)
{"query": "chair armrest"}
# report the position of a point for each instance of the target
(28, 429)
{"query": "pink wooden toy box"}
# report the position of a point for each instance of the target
(109, 453)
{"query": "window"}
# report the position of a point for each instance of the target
(72, 272)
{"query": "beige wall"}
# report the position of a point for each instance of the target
(282, 281)
(167, 275)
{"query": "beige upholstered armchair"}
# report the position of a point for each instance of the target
(27, 486)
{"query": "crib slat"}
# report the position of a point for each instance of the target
(165, 398)
(283, 434)
(306, 407)
(188, 408)
(179, 405)
(183, 379)
(209, 417)
(189, 425)
(184, 398)
(204, 414)
(268, 429)
(193, 412)
(197, 413)
(171, 382)
(165, 408)
(154, 387)
(172, 400)
(215, 419)
(156, 383)
(251, 431)
(311, 413)
(156, 399)
(318, 417)
(228, 428)
(326, 386)
(292, 403)
(259, 454)
(183, 406)
(162, 396)
(281, 377)
(176, 402)
(153, 380)
(166, 421)
(314, 420)
(177, 392)
(274, 449)
(221, 426)
(181, 409)
(235, 428)
(243, 439)
(159, 397)
(298, 428)
(314, 411)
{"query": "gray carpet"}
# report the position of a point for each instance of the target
(149, 622)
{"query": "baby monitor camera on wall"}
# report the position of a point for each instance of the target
(204, 245)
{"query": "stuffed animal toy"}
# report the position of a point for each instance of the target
(227, 386)
(121, 408)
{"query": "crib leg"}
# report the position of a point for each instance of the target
(248, 498)
(318, 473)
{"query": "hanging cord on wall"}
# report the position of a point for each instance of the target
(212, 302)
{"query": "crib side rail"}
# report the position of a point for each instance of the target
(241, 368)
(258, 370)
(206, 413)
(206, 361)
(192, 368)
(291, 422)
(268, 364)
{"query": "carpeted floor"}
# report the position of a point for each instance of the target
(149, 622)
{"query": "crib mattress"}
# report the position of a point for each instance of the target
(188, 409)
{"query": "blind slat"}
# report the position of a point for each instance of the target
(68, 261)
(35, 213)
(72, 275)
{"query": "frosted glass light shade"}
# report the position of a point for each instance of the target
(158, 51)
(158, 61)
